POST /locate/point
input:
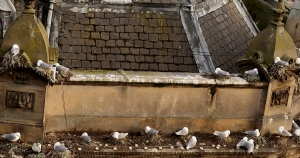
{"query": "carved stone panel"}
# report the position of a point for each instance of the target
(19, 100)
(280, 97)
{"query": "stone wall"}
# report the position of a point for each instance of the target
(129, 106)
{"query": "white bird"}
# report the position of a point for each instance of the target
(242, 142)
(36, 147)
(253, 72)
(297, 132)
(294, 125)
(85, 137)
(298, 61)
(218, 71)
(42, 64)
(15, 50)
(192, 143)
(59, 147)
(254, 133)
(12, 136)
(61, 68)
(250, 145)
(278, 61)
(222, 134)
(118, 135)
(184, 131)
(150, 130)
(284, 132)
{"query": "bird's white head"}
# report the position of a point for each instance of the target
(115, 135)
(227, 132)
(251, 141)
(277, 59)
(147, 129)
(193, 137)
(84, 134)
(185, 128)
(57, 64)
(255, 69)
(18, 134)
(15, 49)
(281, 128)
(39, 62)
(57, 144)
(245, 138)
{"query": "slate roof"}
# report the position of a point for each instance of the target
(227, 36)
(153, 41)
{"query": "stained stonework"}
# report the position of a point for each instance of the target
(20, 100)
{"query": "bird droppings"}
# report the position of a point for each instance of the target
(224, 145)
(105, 144)
(115, 148)
(130, 148)
(213, 145)
(145, 148)
(96, 148)
(256, 147)
(172, 147)
(160, 148)
(136, 145)
(79, 149)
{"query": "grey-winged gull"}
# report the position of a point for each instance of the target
(61, 68)
(192, 143)
(253, 72)
(36, 147)
(221, 72)
(242, 142)
(15, 50)
(85, 137)
(184, 131)
(278, 61)
(294, 125)
(12, 136)
(118, 135)
(284, 132)
(59, 147)
(254, 133)
(250, 145)
(222, 134)
(151, 131)
(42, 64)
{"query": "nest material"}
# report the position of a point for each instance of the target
(21, 60)
(282, 73)
(63, 76)
(251, 78)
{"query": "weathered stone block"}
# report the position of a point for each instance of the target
(76, 49)
(188, 60)
(124, 50)
(91, 57)
(138, 28)
(79, 15)
(144, 66)
(129, 28)
(96, 64)
(153, 66)
(135, 51)
(153, 37)
(134, 66)
(167, 44)
(115, 65)
(168, 59)
(69, 26)
(101, 57)
(86, 64)
(153, 52)
(163, 37)
(66, 48)
(81, 56)
(193, 68)
(120, 58)
(105, 64)
(172, 67)
(76, 63)
(99, 15)
(100, 43)
(120, 43)
(62, 40)
(120, 29)
(75, 34)
(171, 22)
(109, 28)
(96, 50)
(104, 22)
(167, 30)
(104, 36)
(143, 36)
(130, 58)
(124, 21)
(125, 66)
(139, 58)
(106, 50)
(79, 42)
(78, 27)
(86, 49)
(162, 22)
(85, 34)
(178, 60)
(100, 28)
(133, 36)
(148, 29)
(90, 42)
(159, 59)
(144, 51)
(163, 67)
(111, 57)
(158, 30)
(114, 22)
(84, 21)
(115, 50)
(90, 15)
(143, 22)
(110, 43)
(109, 15)
(95, 35)
(88, 27)
(133, 21)
(182, 67)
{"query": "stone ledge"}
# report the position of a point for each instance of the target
(144, 77)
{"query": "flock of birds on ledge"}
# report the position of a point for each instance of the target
(153, 134)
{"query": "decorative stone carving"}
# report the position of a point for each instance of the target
(20, 100)
(280, 97)
(21, 77)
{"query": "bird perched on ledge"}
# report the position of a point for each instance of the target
(254, 133)
(151, 131)
(85, 137)
(42, 64)
(284, 132)
(36, 147)
(192, 143)
(184, 131)
(221, 72)
(253, 72)
(278, 61)
(59, 147)
(15, 50)
(12, 136)
(118, 135)
(61, 68)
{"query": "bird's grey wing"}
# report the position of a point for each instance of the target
(10, 136)
(286, 133)
(241, 143)
(152, 131)
(222, 134)
(191, 144)
(122, 135)
(295, 126)
(181, 132)
(250, 133)
(86, 138)
(61, 68)
(250, 147)
(60, 148)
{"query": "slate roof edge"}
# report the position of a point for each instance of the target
(144, 77)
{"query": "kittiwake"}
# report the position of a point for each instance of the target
(253, 72)
(254, 133)
(12, 136)
(59, 147)
(42, 64)
(250, 145)
(61, 68)
(15, 50)
(220, 72)
(222, 134)
(85, 137)
(118, 135)
(294, 125)
(192, 143)
(278, 61)
(284, 132)
(184, 131)
(150, 130)
(36, 147)
(242, 142)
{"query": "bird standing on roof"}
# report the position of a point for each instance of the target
(12, 136)
(192, 143)
(278, 61)
(254, 133)
(15, 50)
(36, 147)
(220, 72)
(250, 145)
(42, 64)
(284, 132)
(85, 137)
(61, 68)
(59, 147)
(253, 72)
(222, 134)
